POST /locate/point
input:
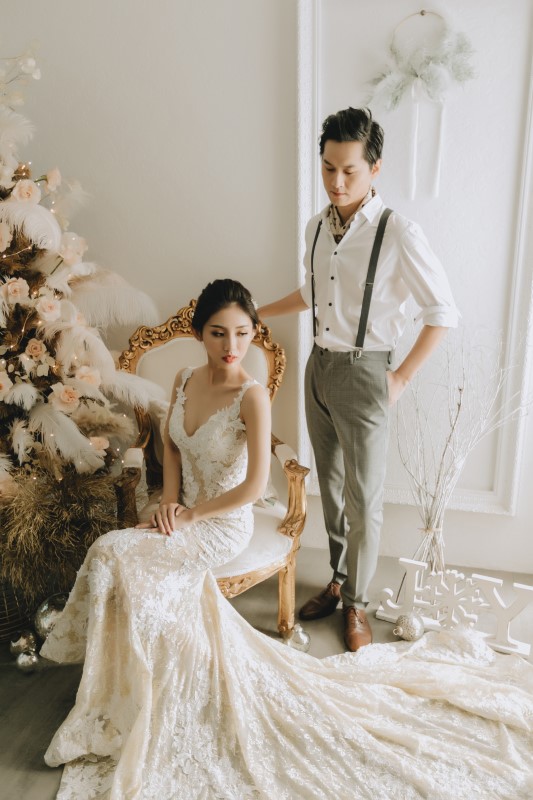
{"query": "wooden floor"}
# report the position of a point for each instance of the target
(33, 705)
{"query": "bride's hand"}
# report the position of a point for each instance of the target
(165, 519)
(184, 519)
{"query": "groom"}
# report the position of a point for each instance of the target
(362, 265)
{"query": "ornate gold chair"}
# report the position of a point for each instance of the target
(157, 354)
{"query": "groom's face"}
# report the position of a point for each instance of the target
(346, 174)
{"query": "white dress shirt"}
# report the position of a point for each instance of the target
(407, 267)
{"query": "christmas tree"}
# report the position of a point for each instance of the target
(60, 427)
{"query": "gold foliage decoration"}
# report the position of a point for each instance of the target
(47, 527)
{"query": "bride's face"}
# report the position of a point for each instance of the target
(227, 335)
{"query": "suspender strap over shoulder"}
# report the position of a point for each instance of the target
(369, 284)
(313, 275)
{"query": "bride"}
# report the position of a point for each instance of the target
(181, 699)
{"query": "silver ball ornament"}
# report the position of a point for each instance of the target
(48, 613)
(27, 661)
(299, 639)
(26, 643)
(409, 627)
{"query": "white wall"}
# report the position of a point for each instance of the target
(179, 119)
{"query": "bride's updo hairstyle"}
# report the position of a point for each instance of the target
(218, 295)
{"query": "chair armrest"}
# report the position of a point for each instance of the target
(294, 520)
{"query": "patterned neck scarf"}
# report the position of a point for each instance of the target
(337, 227)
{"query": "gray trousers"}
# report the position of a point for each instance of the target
(346, 403)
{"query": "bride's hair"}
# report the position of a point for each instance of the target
(218, 295)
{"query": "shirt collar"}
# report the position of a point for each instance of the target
(370, 210)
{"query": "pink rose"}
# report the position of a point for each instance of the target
(36, 350)
(5, 384)
(26, 191)
(64, 398)
(48, 308)
(6, 234)
(89, 375)
(72, 248)
(100, 444)
(15, 290)
(53, 179)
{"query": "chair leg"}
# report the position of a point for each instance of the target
(287, 598)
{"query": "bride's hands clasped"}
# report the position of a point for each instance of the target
(168, 517)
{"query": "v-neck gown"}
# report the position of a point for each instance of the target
(181, 698)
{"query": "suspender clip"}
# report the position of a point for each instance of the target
(358, 352)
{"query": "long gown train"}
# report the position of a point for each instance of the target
(181, 699)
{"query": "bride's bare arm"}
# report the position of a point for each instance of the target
(255, 411)
(164, 517)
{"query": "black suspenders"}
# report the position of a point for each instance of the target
(369, 283)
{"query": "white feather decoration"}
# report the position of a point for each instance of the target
(84, 346)
(21, 439)
(105, 298)
(87, 390)
(433, 72)
(59, 281)
(132, 389)
(68, 199)
(22, 394)
(35, 222)
(61, 435)
(61, 278)
(6, 465)
(15, 131)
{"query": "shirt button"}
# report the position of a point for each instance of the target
(335, 253)
(330, 304)
(327, 329)
(332, 278)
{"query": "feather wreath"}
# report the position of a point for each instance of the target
(422, 72)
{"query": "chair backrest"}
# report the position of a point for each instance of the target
(158, 353)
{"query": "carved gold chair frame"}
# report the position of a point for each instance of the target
(291, 525)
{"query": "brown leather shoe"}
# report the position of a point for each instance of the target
(323, 604)
(357, 632)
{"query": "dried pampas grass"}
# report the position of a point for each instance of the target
(103, 421)
(48, 526)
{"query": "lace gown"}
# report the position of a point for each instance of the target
(181, 699)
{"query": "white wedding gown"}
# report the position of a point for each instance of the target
(181, 699)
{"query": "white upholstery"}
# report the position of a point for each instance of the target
(267, 547)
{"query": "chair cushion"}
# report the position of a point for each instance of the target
(267, 546)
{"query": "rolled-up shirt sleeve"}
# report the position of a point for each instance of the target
(426, 279)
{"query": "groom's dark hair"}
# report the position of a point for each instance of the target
(220, 294)
(354, 125)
